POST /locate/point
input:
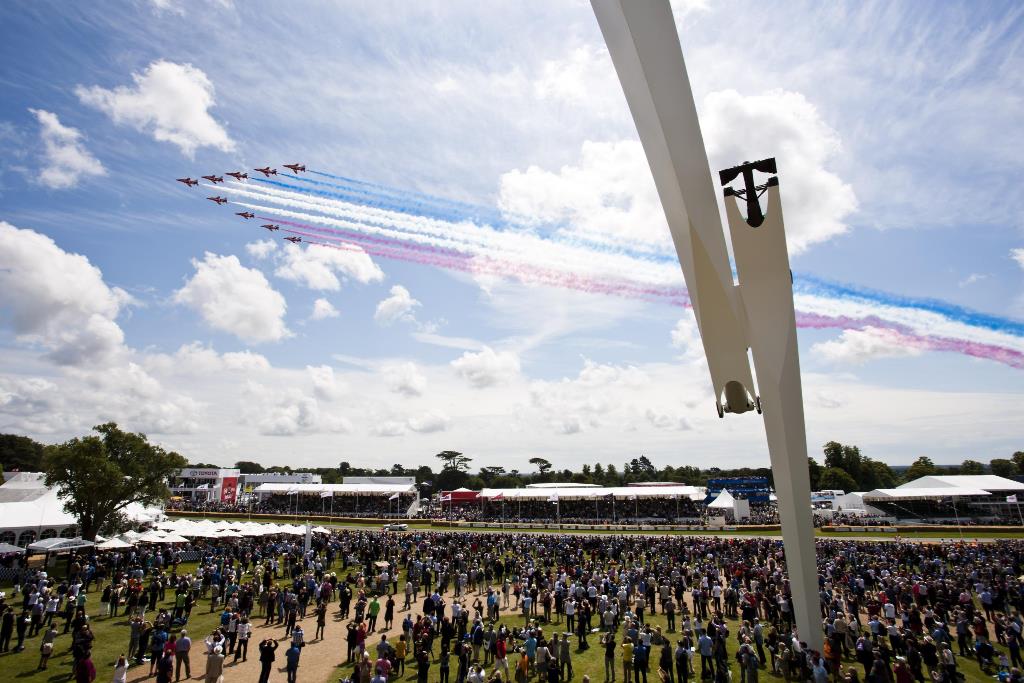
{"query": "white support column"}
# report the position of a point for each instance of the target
(766, 289)
(758, 314)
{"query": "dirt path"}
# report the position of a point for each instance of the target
(320, 658)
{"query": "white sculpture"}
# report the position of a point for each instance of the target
(757, 313)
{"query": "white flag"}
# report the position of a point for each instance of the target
(553, 498)
(292, 492)
(394, 497)
(1011, 499)
(326, 494)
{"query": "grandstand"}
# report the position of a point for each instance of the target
(592, 504)
(371, 499)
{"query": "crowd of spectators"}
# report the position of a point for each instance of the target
(894, 609)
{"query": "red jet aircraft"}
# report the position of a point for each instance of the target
(238, 175)
(246, 215)
(293, 239)
(219, 200)
(188, 181)
(295, 168)
(214, 178)
(271, 227)
(267, 171)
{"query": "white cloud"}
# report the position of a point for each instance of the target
(608, 194)
(487, 368)
(971, 279)
(289, 412)
(388, 428)
(405, 378)
(319, 267)
(235, 299)
(261, 249)
(446, 85)
(323, 309)
(66, 158)
(171, 101)
(857, 347)
(197, 359)
(57, 300)
(429, 422)
(663, 421)
(1018, 256)
(325, 385)
(398, 306)
(686, 337)
(787, 126)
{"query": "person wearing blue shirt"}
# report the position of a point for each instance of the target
(292, 662)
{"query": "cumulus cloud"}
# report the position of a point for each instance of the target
(388, 428)
(1018, 256)
(235, 299)
(261, 249)
(686, 337)
(857, 347)
(57, 299)
(398, 306)
(787, 126)
(406, 379)
(323, 309)
(290, 412)
(197, 359)
(318, 268)
(487, 368)
(663, 421)
(325, 385)
(66, 160)
(170, 101)
(608, 194)
(429, 422)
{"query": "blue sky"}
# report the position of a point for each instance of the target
(129, 297)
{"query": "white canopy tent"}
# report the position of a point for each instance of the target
(724, 501)
(264, 490)
(59, 545)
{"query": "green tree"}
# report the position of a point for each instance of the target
(98, 476)
(847, 458)
(836, 478)
(20, 453)
(1018, 460)
(814, 469)
(922, 467)
(453, 460)
(972, 467)
(248, 467)
(1001, 467)
(882, 476)
(542, 465)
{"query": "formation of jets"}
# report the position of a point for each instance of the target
(267, 171)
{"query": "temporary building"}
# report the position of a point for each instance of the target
(724, 501)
